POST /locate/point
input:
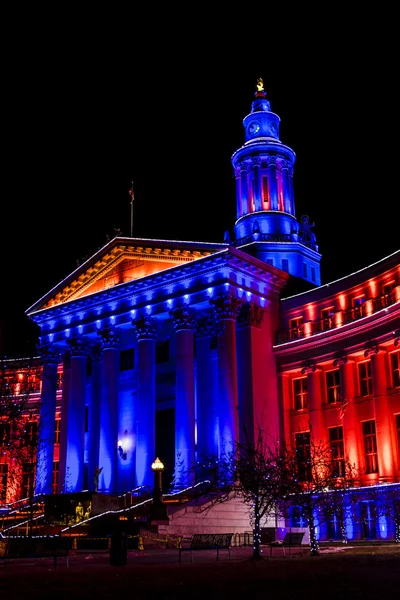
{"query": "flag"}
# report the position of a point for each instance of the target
(131, 193)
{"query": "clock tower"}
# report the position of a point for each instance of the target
(266, 224)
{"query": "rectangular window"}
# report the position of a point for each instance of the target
(365, 377)
(303, 456)
(337, 449)
(162, 352)
(359, 307)
(395, 368)
(285, 265)
(333, 386)
(305, 270)
(300, 393)
(370, 449)
(127, 359)
(313, 274)
(4, 434)
(54, 486)
(32, 432)
(3, 482)
(57, 431)
(86, 418)
(28, 474)
(296, 328)
(265, 190)
(398, 432)
(326, 318)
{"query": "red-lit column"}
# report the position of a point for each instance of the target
(226, 308)
(348, 414)
(184, 323)
(384, 440)
(45, 455)
(314, 384)
(145, 406)
(272, 183)
(252, 397)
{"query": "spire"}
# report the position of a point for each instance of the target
(260, 103)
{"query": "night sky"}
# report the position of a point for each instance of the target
(88, 111)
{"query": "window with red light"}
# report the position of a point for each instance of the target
(55, 477)
(265, 191)
(57, 431)
(395, 368)
(327, 318)
(398, 432)
(3, 482)
(370, 448)
(359, 307)
(300, 393)
(337, 449)
(303, 456)
(296, 328)
(333, 386)
(365, 378)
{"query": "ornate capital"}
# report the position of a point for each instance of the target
(341, 359)
(205, 326)
(285, 164)
(271, 161)
(145, 328)
(109, 338)
(237, 172)
(244, 167)
(250, 314)
(372, 348)
(77, 346)
(183, 318)
(49, 354)
(308, 367)
(96, 352)
(256, 161)
(226, 306)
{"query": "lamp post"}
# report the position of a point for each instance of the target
(158, 511)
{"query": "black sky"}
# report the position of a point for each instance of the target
(89, 110)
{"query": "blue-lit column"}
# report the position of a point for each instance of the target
(272, 183)
(238, 181)
(184, 324)
(145, 409)
(108, 453)
(45, 454)
(65, 395)
(257, 183)
(206, 374)
(251, 371)
(225, 309)
(74, 475)
(94, 404)
(291, 172)
(286, 189)
(383, 414)
(244, 189)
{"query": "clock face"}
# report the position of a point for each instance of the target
(253, 127)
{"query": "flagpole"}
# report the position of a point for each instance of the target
(132, 197)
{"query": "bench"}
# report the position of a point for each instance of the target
(206, 541)
(291, 540)
(24, 547)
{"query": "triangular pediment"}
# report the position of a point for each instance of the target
(123, 260)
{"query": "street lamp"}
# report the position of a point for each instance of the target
(158, 510)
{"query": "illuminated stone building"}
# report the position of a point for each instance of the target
(171, 348)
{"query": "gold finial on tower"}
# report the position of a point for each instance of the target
(260, 85)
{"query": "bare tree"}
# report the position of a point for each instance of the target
(388, 506)
(321, 480)
(19, 429)
(258, 473)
